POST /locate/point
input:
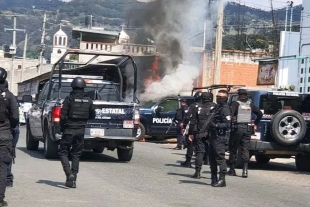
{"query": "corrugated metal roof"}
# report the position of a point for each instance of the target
(96, 31)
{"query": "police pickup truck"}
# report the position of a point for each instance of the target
(156, 117)
(116, 122)
(282, 132)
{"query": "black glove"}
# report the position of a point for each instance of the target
(213, 125)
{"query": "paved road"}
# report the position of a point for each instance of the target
(153, 178)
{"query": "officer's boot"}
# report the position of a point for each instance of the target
(213, 178)
(187, 162)
(221, 182)
(74, 182)
(245, 170)
(69, 181)
(232, 171)
(3, 203)
(197, 174)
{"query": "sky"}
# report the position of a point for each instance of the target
(261, 4)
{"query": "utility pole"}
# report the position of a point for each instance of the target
(42, 44)
(218, 45)
(13, 52)
(24, 57)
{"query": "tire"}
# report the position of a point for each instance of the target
(50, 147)
(288, 127)
(98, 150)
(31, 143)
(262, 159)
(302, 162)
(124, 155)
(140, 132)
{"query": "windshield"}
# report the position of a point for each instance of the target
(272, 104)
(96, 91)
(148, 104)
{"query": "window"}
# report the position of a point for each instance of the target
(43, 94)
(59, 40)
(86, 46)
(169, 105)
(97, 91)
(19, 67)
(133, 49)
(301, 71)
(308, 79)
(300, 89)
(55, 41)
(308, 89)
(96, 46)
(59, 51)
(101, 46)
(64, 41)
(301, 79)
(92, 46)
(106, 47)
(302, 61)
(272, 104)
(138, 49)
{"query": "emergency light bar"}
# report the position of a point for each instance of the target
(82, 76)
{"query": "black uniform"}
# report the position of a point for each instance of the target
(219, 132)
(241, 136)
(198, 119)
(9, 119)
(179, 117)
(77, 109)
(189, 144)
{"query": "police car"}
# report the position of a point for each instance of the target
(282, 131)
(156, 117)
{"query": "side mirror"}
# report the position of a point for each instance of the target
(159, 109)
(27, 98)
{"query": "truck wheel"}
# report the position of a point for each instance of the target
(288, 127)
(50, 147)
(31, 143)
(140, 132)
(302, 162)
(262, 159)
(98, 150)
(124, 155)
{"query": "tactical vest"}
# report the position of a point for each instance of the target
(244, 112)
(80, 108)
(3, 106)
(203, 112)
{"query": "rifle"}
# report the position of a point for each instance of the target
(13, 154)
(173, 120)
(210, 119)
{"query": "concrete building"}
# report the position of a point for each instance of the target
(60, 42)
(304, 47)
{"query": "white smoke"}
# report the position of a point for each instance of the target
(180, 80)
(178, 24)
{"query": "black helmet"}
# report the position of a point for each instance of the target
(197, 96)
(6, 84)
(205, 96)
(3, 74)
(78, 82)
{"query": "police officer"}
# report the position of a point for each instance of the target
(76, 110)
(219, 131)
(189, 146)
(9, 119)
(179, 117)
(198, 131)
(15, 134)
(241, 130)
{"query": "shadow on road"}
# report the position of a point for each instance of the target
(193, 182)
(53, 183)
(185, 175)
(87, 156)
(276, 166)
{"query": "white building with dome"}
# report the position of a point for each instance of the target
(60, 42)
